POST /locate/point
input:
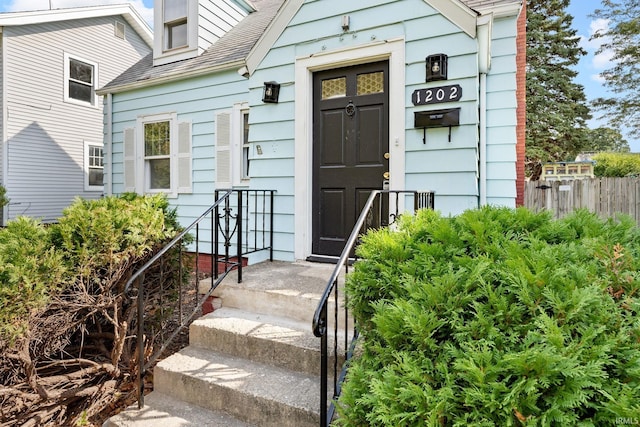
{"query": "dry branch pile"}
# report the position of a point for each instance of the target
(75, 357)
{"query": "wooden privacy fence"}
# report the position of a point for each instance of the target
(604, 196)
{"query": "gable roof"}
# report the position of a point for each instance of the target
(127, 11)
(249, 41)
(228, 52)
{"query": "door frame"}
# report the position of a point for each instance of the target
(392, 51)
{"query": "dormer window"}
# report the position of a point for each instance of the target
(176, 33)
(175, 24)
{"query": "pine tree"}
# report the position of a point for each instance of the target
(622, 38)
(556, 106)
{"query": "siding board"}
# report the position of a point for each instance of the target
(46, 135)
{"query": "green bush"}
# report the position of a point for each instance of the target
(30, 269)
(93, 242)
(496, 317)
(4, 200)
(616, 164)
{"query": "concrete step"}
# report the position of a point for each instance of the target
(264, 338)
(277, 288)
(252, 362)
(252, 392)
(161, 410)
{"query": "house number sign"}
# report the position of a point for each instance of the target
(436, 95)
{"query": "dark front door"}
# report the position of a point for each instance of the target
(350, 149)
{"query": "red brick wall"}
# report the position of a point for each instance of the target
(521, 60)
(204, 263)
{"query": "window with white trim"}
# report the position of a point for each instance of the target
(246, 161)
(176, 31)
(157, 155)
(80, 78)
(93, 167)
(175, 24)
(233, 151)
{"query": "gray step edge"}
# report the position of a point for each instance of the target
(269, 339)
(161, 410)
(218, 381)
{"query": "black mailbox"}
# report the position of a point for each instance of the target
(437, 119)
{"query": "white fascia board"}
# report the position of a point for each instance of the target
(458, 13)
(501, 11)
(286, 13)
(57, 15)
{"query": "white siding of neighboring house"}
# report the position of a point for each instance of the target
(46, 135)
(215, 18)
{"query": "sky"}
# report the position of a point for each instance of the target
(588, 69)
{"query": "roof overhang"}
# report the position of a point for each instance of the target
(501, 11)
(172, 77)
(458, 13)
(57, 15)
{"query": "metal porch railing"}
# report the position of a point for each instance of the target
(239, 225)
(365, 221)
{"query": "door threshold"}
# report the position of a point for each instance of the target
(327, 259)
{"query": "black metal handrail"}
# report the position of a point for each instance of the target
(224, 228)
(423, 199)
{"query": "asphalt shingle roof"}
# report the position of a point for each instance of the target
(233, 46)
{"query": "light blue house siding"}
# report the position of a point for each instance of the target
(451, 169)
(196, 101)
(501, 115)
(476, 166)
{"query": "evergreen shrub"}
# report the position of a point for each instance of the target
(4, 200)
(496, 317)
(93, 240)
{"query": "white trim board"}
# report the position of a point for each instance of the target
(392, 50)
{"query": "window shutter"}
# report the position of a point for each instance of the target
(223, 150)
(184, 157)
(129, 160)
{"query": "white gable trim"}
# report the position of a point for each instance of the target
(453, 10)
(57, 15)
(392, 50)
(458, 13)
(271, 33)
(502, 11)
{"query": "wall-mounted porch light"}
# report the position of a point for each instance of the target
(271, 92)
(437, 67)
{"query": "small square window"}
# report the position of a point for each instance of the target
(177, 34)
(79, 81)
(94, 167)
